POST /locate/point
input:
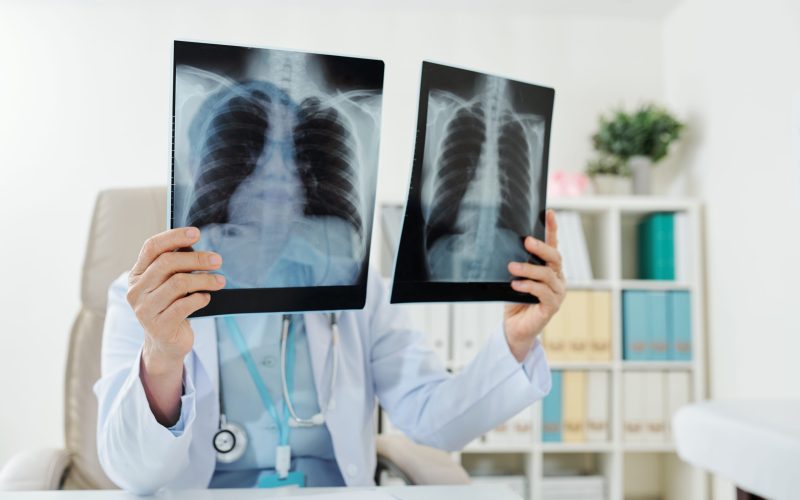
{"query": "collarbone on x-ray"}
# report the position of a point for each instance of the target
(480, 182)
(282, 170)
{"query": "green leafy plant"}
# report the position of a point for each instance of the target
(608, 165)
(648, 131)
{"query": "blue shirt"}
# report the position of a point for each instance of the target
(312, 448)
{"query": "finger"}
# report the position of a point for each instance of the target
(534, 272)
(182, 308)
(178, 286)
(549, 254)
(166, 241)
(538, 289)
(171, 263)
(551, 228)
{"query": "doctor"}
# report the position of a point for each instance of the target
(193, 403)
(161, 406)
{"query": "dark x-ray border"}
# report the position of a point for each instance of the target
(270, 300)
(406, 290)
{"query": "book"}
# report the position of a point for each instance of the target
(576, 264)
(554, 338)
(680, 326)
(656, 247)
(597, 404)
(632, 407)
(551, 410)
(434, 320)
(574, 407)
(635, 325)
(652, 404)
(473, 323)
(677, 393)
(658, 323)
(579, 326)
(599, 315)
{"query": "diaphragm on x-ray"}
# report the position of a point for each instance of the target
(275, 157)
(477, 189)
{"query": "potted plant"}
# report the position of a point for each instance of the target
(640, 139)
(609, 175)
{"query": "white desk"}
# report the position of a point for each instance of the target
(754, 444)
(471, 492)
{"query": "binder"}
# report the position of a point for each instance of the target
(466, 332)
(473, 323)
(680, 341)
(574, 409)
(677, 393)
(656, 247)
(551, 410)
(522, 427)
(555, 341)
(635, 325)
(578, 326)
(434, 320)
(633, 409)
(599, 348)
(658, 325)
(597, 394)
(653, 403)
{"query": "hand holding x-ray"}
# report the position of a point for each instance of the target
(524, 322)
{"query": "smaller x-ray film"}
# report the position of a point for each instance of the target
(478, 186)
(275, 157)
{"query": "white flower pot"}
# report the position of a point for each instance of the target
(641, 170)
(614, 185)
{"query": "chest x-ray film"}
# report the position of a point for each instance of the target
(275, 157)
(478, 186)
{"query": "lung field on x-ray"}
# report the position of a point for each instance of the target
(480, 169)
(325, 153)
(236, 136)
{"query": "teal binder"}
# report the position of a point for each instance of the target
(635, 325)
(551, 411)
(656, 247)
(659, 325)
(680, 343)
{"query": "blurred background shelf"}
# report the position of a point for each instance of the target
(614, 412)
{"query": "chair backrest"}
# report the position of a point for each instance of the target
(122, 220)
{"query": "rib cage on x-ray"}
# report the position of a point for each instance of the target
(481, 158)
(235, 137)
(325, 152)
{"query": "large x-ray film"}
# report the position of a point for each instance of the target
(275, 157)
(477, 189)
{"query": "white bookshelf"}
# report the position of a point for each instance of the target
(631, 470)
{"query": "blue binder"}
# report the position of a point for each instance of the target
(635, 325)
(680, 345)
(551, 411)
(659, 326)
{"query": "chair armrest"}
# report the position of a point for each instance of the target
(41, 469)
(419, 464)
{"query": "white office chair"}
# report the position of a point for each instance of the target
(122, 220)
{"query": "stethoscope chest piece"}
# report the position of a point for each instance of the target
(230, 442)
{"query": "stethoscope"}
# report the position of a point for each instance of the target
(230, 440)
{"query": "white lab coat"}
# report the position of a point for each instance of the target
(381, 357)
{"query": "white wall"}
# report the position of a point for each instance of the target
(732, 69)
(84, 105)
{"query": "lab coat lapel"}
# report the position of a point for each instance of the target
(318, 330)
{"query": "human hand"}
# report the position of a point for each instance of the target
(523, 322)
(163, 292)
